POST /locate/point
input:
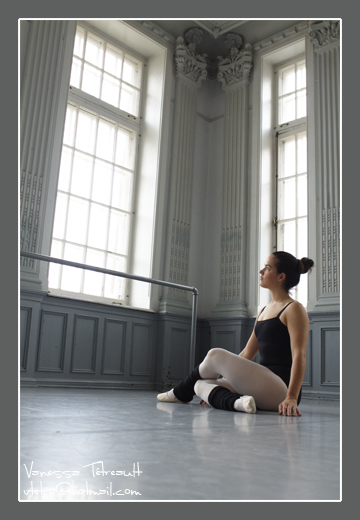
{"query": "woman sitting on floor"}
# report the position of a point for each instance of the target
(280, 335)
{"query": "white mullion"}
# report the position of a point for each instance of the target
(71, 173)
(110, 206)
(90, 201)
(83, 59)
(102, 69)
(121, 75)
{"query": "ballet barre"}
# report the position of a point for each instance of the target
(172, 285)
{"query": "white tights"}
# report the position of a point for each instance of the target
(241, 376)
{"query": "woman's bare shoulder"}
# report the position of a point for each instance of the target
(297, 310)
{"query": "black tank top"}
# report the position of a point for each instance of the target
(274, 346)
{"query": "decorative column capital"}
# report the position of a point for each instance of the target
(188, 62)
(237, 66)
(323, 33)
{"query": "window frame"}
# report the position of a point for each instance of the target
(120, 117)
(287, 129)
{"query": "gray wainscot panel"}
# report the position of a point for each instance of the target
(113, 361)
(230, 333)
(141, 349)
(51, 349)
(84, 347)
(322, 377)
(172, 361)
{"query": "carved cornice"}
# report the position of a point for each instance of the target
(237, 66)
(188, 63)
(281, 37)
(323, 33)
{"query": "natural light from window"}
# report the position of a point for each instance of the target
(292, 189)
(93, 214)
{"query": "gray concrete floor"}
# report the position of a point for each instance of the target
(85, 444)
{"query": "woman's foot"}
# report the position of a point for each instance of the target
(168, 397)
(246, 403)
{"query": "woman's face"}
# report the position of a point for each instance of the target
(269, 277)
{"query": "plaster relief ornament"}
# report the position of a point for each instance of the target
(323, 33)
(188, 62)
(237, 66)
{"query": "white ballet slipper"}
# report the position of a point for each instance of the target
(166, 398)
(246, 403)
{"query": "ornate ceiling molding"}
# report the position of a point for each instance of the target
(323, 33)
(218, 27)
(188, 62)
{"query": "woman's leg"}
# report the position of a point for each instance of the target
(245, 377)
(220, 394)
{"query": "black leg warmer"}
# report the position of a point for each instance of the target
(184, 391)
(223, 398)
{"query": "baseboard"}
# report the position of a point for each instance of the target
(110, 385)
(328, 396)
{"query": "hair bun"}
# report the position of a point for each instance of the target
(305, 264)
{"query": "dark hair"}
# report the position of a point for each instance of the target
(291, 267)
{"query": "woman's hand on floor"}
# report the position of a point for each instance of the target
(289, 407)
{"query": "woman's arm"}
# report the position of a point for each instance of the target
(251, 348)
(297, 322)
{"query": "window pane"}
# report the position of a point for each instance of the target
(94, 51)
(301, 153)
(287, 157)
(287, 109)
(98, 225)
(118, 232)
(301, 76)
(93, 282)
(105, 140)
(286, 199)
(114, 285)
(131, 72)
(91, 80)
(113, 61)
(86, 132)
(76, 228)
(81, 175)
(302, 238)
(301, 104)
(110, 91)
(79, 42)
(129, 100)
(302, 196)
(122, 189)
(287, 237)
(65, 169)
(124, 148)
(60, 216)
(287, 81)
(71, 276)
(70, 125)
(102, 183)
(75, 79)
